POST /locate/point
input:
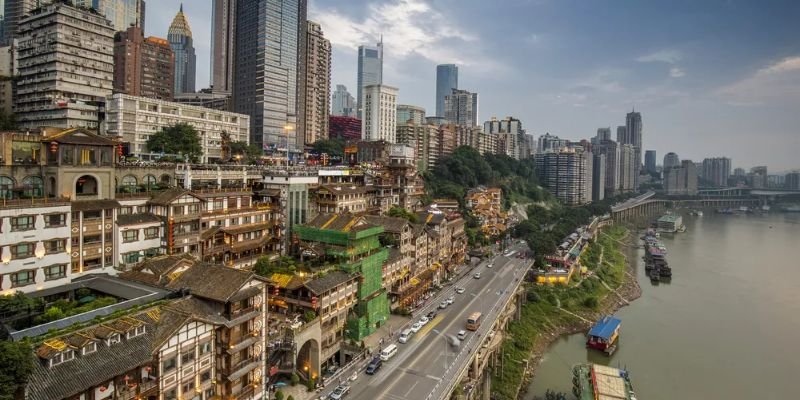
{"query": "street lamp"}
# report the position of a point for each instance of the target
(288, 128)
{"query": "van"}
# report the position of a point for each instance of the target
(374, 366)
(405, 336)
(462, 334)
(388, 352)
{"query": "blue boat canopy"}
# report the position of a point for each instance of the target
(605, 327)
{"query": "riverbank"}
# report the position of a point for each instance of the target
(554, 312)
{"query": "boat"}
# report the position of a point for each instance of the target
(655, 276)
(599, 382)
(604, 334)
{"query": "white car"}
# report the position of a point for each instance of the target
(450, 300)
(460, 290)
(462, 334)
(490, 265)
(444, 304)
(423, 321)
(477, 275)
(416, 327)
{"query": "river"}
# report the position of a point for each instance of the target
(726, 327)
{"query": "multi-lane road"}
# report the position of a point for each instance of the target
(428, 363)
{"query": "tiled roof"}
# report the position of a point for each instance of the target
(135, 219)
(156, 270)
(166, 197)
(329, 281)
(93, 205)
(234, 230)
(345, 222)
(78, 136)
(390, 224)
(212, 281)
(288, 281)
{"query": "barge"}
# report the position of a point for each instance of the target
(599, 382)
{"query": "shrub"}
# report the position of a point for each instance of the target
(311, 384)
(279, 395)
(295, 379)
(590, 302)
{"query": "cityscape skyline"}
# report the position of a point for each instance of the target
(699, 91)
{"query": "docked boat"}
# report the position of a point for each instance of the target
(599, 382)
(604, 335)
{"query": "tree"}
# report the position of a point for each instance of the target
(248, 152)
(400, 212)
(333, 147)
(311, 384)
(8, 122)
(279, 395)
(295, 379)
(16, 365)
(180, 138)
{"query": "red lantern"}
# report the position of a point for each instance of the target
(314, 302)
(119, 149)
(53, 147)
(275, 291)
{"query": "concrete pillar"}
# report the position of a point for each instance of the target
(487, 385)
(219, 177)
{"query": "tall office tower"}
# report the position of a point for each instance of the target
(223, 45)
(650, 161)
(446, 81)
(13, 12)
(610, 150)
(564, 174)
(671, 160)
(266, 78)
(380, 113)
(717, 170)
(370, 70)
(318, 84)
(622, 135)
(627, 169)
(343, 104)
(511, 138)
(681, 180)
(548, 142)
(407, 112)
(739, 172)
(758, 177)
(143, 66)
(633, 128)
(602, 134)
(123, 14)
(52, 43)
(180, 39)
(461, 107)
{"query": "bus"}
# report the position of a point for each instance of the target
(474, 321)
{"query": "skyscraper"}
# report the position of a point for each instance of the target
(717, 170)
(13, 11)
(343, 104)
(446, 81)
(622, 135)
(318, 83)
(223, 45)
(681, 180)
(633, 128)
(52, 43)
(143, 66)
(671, 160)
(180, 39)
(610, 150)
(266, 80)
(603, 134)
(122, 13)
(461, 107)
(564, 173)
(627, 168)
(650, 161)
(380, 114)
(598, 177)
(370, 70)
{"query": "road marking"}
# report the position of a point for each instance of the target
(411, 388)
(428, 327)
(436, 378)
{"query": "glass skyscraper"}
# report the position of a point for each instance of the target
(370, 70)
(180, 39)
(446, 81)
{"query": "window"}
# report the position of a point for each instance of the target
(67, 154)
(151, 233)
(22, 223)
(114, 339)
(177, 210)
(54, 220)
(168, 364)
(194, 208)
(22, 250)
(131, 235)
(131, 258)
(90, 348)
(125, 210)
(92, 239)
(23, 278)
(56, 271)
(171, 394)
(187, 387)
(205, 376)
(218, 204)
(137, 331)
(88, 157)
(204, 348)
(6, 184)
(187, 357)
(92, 214)
(55, 246)
(62, 357)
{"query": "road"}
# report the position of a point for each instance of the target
(420, 365)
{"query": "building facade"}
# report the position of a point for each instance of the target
(627, 168)
(343, 104)
(565, 173)
(716, 171)
(380, 113)
(143, 66)
(681, 180)
(370, 72)
(135, 119)
(223, 45)
(51, 90)
(446, 81)
(407, 112)
(671, 160)
(650, 161)
(13, 13)
(122, 13)
(318, 84)
(461, 107)
(180, 39)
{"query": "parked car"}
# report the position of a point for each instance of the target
(451, 300)
(477, 275)
(423, 321)
(460, 290)
(374, 365)
(490, 265)
(431, 315)
(462, 334)
(416, 327)
(443, 304)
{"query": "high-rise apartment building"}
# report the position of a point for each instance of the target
(8, 70)
(681, 180)
(598, 177)
(52, 89)
(627, 168)
(548, 142)
(266, 88)
(564, 173)
(716, 171)
(446, 81)
(13, 12)
(370, 71)
(622, 135)
(180, 39)
(223, 45)
(602, 134)
(633, 128)
(123, 14)
(407, 112)
(318, 84)
(343, 104)
(461, 107)
(671, 160)
(511, 138)
(424, 138)
(792, 181)
(143, 66)
(758, 177)
(379, 120)
(610, 150)
(650, 161)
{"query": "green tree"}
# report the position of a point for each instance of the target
(309, 316)
(279, 395)
(311, 384)
(290, 397)
(16, 365)
(180, 138)
(8, 122)
(295, 379)
(246, 152)
(334, 147)
(401, 212)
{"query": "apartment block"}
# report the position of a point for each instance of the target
(143, 66)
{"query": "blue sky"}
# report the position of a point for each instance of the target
(711, 77)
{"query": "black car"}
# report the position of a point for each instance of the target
(374, 365)
(431, 315)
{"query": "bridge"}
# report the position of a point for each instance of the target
(744, 191)
(640, 206)
(648, 204)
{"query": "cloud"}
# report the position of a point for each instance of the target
(408, 27)
(533, 38)
(778, 82)
(663, 56)
(676, 72)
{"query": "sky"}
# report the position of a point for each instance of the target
(711, 78)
